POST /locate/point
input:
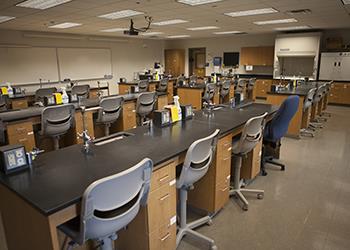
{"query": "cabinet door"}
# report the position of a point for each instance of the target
(267, 55)
(327, 67)
(344, 68)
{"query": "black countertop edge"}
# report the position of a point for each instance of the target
(257, 76)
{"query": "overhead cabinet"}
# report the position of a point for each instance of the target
(257, 56)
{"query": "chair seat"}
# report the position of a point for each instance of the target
(71, 228)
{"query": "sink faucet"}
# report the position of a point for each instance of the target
(87, 140)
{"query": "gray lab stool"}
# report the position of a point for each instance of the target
(308, 104)
(224, 90)
(82, 91)
(41, 93)
(145, 105)
(208, 95)
(163, 85)
(56, 121)
(109, 112)
(110, 204)
(251, 135)
(143, 85)
(198, 158)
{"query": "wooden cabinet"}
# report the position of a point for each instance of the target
(262, 86)
(127, 119)
(20, 103)
(162, 101)
(204, 196)
(340, 93)
(251, 164)
(257, 56)
(171, 91)
(154, 228)
(21, 133)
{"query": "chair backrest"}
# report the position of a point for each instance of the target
(110, 108)
(3, 103)
(57, 120)
(163, 85)
(111, 203)
(193, 79)
(209, 92)
(309, 98)
(241, 84)
(180, 81)
(251, 83)
(197, 160)
(225, 88)
(143, 85)
(318, 95)
(145, 103)
(41, 93)
(81, 91)
(278, 126)
(251, 134)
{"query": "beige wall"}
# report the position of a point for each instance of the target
(127, 57)
(218, 45)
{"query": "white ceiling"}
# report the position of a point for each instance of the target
(326, 14)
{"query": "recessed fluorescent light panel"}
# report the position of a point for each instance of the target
(293, 28)
(203, 28)
(178, 36)
(113, 30)
(278, 21)
(228, 32)
(41, 4)
(197, 2)
(121, 14)
(169, 22)
(64, 25)
(251, 12)
(152, 33)
(6, 18)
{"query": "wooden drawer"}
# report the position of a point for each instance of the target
(129, 115)
(163, 176)
(162, 101)
(22, 128)
(19, 104)
(222, 193)
(164, 238)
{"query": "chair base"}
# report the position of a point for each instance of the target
(270, 160)
(307, 132)
(106, 243)
(239, 194)
(188, 230)
(316, 125)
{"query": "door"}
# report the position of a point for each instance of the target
(197, 61)
(328, 66)
(174, 62)
(344, 68)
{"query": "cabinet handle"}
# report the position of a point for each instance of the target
(23, 140)
(223, 190)
(164, 197)
(229, 149)
(133, 110)
(165, 237)
(20, 129)
(339, 63)
(163, 178)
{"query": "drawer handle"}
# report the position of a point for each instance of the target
(227, 158)
(23, 140)
(165, 237)
(164, 197)
(229, 149)
(20, 129)
(134, 110)
(164, 178)
(134, 127)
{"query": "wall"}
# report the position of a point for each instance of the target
(218, 45)
(128, 56)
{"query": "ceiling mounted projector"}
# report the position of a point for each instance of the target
(135, 31)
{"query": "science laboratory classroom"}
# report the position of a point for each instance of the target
(174, 124)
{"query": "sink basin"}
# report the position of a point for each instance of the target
(111, 138)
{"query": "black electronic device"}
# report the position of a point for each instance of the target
(13, 158)
(49, 100)
(231, 59)
(187, 112)
(161, 118)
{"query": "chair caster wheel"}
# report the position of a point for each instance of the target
(210, 222)
(260, 196)
(213, 247)
(283, 168)
(245, 208)
(264, 173)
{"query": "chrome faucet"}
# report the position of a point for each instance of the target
(87, 140)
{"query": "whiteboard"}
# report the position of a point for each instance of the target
(80, 64)
(28, 65)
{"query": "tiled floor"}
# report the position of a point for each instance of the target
(305, 207)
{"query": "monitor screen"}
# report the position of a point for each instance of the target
(231, 58)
